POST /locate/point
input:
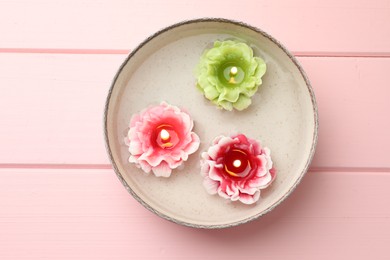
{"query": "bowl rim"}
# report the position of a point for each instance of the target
(205, 20)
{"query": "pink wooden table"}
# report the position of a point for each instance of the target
(59, 197)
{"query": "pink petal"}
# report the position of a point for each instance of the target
(133, 159)
(256, 147)
(223, 194)
(230, 191)
(262, 182)
(213, 152)
(214, 173)
(273, 174)
(162, 170)
(134, 119)
(188, 124)
(169, 107)
(217, 139)
(205, 156)
(210, 185)
(248, 190)
(249, 199)
(194, 145)
(126, 140)
(132, 134)
(186, 140)
(154, 112)
(145, 166)
(267, 154)
(204, 167)
(148, 152)
(173, 164)
(153, 159)
(224, 141)
(135, 147)
(242, 139)
(262, 169)
(183, 155)
(233, 192)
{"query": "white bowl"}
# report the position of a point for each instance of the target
(283, 116)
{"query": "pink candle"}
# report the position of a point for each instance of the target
(160, 139)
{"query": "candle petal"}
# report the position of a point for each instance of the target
(210, 185)
(242, 103)
(193, 146)
(161, 139)
(237, 184)
(135, 147)
(162, 170)
(254, 64)
(260, 69)
(226, 105)
(230, 95)
(219, 85)
(249, 199)
(211, 93)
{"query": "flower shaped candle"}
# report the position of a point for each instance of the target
(237, 168)
(229, 75)
(160, 138)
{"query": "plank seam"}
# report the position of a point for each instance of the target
(123, 51)
(108, 166)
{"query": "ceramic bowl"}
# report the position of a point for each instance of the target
(283, 115)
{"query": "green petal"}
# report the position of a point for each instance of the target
(211, 70)
(214, 54)
(211, 93)
(218, 43)
(199, 87)
(242, 103)
(261, 67)
(248, 84)
(203, 82)
(252, 67)
(213, 80)
(247, 52)
(251, 88)
(225, 105)
(230, 94)
(220, 87)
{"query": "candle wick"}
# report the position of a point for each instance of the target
(236, 163)
(233, 71)
(164, 134)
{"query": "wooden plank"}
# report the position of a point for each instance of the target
(51, 108)
(353, 101)
(84, 214)
(315, 27)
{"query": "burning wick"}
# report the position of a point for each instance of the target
(164, 134)
(236, 163)
(233, 71)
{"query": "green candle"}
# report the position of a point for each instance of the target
(229, 75)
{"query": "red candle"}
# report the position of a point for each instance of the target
(237, 168)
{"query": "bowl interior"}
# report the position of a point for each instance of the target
(282, 116)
